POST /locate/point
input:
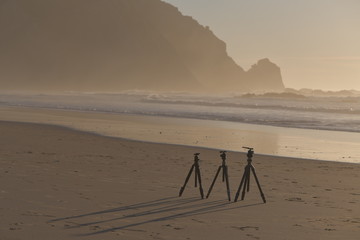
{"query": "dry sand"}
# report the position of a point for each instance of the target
(56, 183)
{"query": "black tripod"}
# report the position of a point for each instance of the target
(246, 177)
(197, 176)
(225, 176)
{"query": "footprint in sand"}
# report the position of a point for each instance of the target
(252, 236)
(15, 226)
(12, 228)
(94, 228)
(330, 229)
(294, 199)
(195, 220)
(246, 228)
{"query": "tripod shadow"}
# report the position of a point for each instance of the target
(171, 207)
(153, 203)
(210, 207)
(161, 208)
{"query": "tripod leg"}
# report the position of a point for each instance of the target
(247, 171)
(225, 170)
(186, 180)
(213, 182)
(223, 173)
(248, 181)
(196, 173)
(241, 183)
(199, 178)
(257, 181)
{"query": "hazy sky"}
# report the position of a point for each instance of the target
(315, 42)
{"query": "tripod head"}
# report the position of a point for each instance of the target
(250, 152)
(223, 155)
(196, 157)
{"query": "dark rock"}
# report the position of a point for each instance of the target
(265, 75)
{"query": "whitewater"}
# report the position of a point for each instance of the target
(325, 113)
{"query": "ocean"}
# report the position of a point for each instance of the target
(333, 123)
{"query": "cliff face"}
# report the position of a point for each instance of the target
(112, 45)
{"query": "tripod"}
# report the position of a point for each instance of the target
(246, 177)
(197, 176)
(225, 176)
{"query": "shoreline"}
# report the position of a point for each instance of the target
(167, 144)
(58, 183)
(267, 140)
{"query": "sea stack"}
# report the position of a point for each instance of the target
(265, 76)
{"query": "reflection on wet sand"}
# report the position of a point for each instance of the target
(300, 143)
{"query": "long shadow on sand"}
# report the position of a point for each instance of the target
(172, 207)
(153, 203)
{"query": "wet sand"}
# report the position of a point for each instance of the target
(269, 140)
(57, 183)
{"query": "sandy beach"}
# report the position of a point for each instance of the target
(107, 107)
(57, 183)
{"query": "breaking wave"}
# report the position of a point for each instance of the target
(289, 110)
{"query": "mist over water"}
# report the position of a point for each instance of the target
(321, 113)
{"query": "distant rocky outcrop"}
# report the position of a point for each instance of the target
(265, 75)
(112, 45)
(321, 93)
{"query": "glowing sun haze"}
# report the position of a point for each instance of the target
(316, 43)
